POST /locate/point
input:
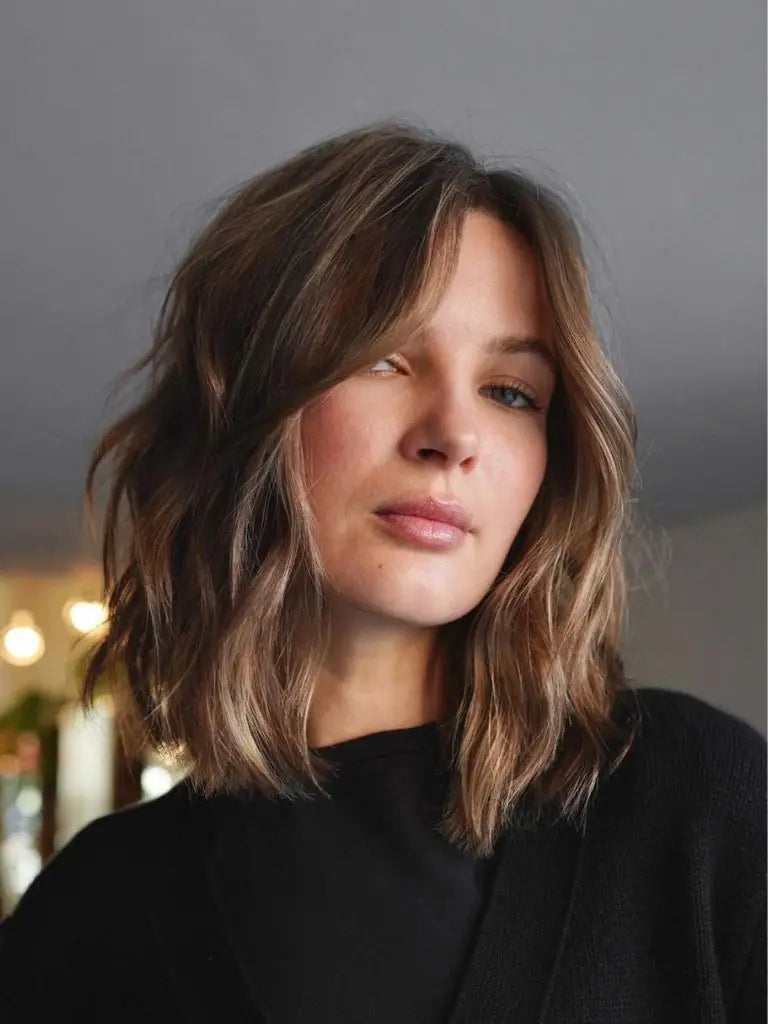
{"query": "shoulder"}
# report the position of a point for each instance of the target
(120, 847)
(111, 870)
(692, 749)
(682, 820)
(691, 798)
(693, 785)
(662, 707)
(692, 765)
(88, 923)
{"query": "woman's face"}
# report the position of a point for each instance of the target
(442, 420)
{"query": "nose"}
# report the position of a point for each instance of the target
(446, 433)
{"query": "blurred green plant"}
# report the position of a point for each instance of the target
(36, 712)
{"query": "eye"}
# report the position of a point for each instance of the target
(515, 389)
(389, 359)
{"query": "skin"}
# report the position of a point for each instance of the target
(437, 421)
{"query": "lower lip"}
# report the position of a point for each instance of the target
(428, 533)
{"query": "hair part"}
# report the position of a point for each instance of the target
(215, 585)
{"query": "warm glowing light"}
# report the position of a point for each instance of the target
(85, 616)
(20, 861)
(29, 801)
(21, 643)
(155, 780)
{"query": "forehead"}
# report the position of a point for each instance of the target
(496, 285)
(494, 295)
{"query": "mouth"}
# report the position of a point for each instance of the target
(434, 534)
(426, 508)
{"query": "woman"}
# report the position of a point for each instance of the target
(370, 590)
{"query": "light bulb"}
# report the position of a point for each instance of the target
(85, 616)
(22, 641)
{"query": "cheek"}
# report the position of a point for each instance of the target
(336, 448)
(515, 477)
(518, 464)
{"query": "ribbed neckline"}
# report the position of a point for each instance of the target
(380, 744)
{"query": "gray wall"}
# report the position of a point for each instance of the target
(697, 613)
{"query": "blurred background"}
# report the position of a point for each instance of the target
(123, 124)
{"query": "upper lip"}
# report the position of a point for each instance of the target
(427, 507)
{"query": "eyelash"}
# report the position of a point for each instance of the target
(527, 395)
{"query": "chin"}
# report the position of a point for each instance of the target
(409, 590)
(427, 611)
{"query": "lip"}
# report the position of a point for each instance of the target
(434, 534)
(427, 507)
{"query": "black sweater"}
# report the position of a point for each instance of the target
(656, 912)
(356, 882)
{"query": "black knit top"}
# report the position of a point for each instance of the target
(354, 910)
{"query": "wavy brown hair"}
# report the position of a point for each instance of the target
(213, 578)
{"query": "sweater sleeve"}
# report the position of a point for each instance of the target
(719, 765)
(751, 1003)
(749, 806)
(47, 942)
(75, 946)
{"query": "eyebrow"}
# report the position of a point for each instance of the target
(512, 345)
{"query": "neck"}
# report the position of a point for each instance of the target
(375, 682)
